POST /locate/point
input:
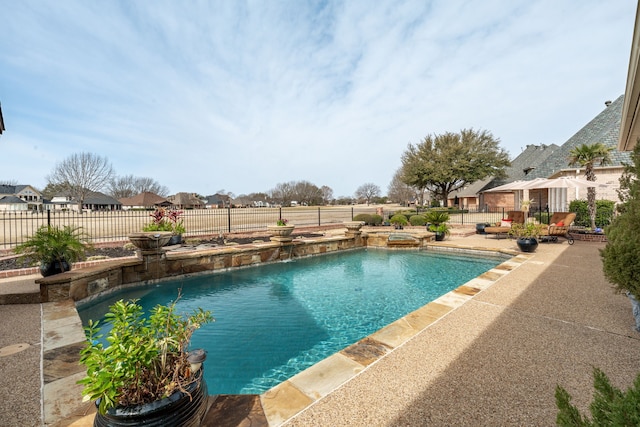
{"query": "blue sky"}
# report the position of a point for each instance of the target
(241, 96)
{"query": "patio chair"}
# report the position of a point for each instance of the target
(516, 217)
(558, 227)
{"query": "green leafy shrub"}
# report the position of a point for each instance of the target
(375, 219)
(610, 406)
(604, 212)
(398, 219)
(146, 359)
(437, 216)
(55, 244)
(417, 220)
(366, 218)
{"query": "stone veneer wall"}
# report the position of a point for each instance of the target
(91, 281)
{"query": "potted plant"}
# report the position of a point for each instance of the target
(398, 221)
(146, 375)
(437, 223)
(55, 248)
(527, 235)
(167, 220)
(525, 204)
(281, 232)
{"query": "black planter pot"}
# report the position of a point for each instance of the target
(55, 267)
(481, 226)
(440, 235)
(179, 409)
(176, 239)
(527, 244)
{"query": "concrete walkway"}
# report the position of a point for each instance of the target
(495, 360)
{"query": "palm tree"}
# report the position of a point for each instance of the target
(588, 156)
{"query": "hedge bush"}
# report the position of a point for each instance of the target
(366, 218)
(417, 220)
(604, 212)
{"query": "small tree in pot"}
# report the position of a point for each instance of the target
(527, 235)
(55, 248)
(146, 367)
(437, 220)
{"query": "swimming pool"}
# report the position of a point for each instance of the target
(276, 320)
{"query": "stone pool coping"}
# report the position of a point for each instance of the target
(63, 337)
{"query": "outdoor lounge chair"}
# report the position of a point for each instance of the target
(558, 227)
(516, 217)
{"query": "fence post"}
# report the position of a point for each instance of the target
(462, 216)
(280, 213)
(48, 217)
(229, 218)
(351, 213)
(318, 216)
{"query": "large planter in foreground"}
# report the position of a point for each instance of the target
(179, 409)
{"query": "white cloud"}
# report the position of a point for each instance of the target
(209, 95)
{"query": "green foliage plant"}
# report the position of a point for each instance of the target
(437, 216)
(526, 231)
(447, 162)
(375, 219)
(589, 156)
(55, 244)
(399, 219)
(610, 406)
(366, 218)
(146, 359)
(604, 212)
(621, 255)
(166, 220)
(417, 220)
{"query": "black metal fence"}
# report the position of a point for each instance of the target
(106, 226)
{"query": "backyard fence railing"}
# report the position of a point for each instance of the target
(107, 226)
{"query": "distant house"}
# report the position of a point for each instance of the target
(217, 201)
(186, 201)
(95, 201)
(20, 198)
(604, 128)
(146, 200)
(472, 196)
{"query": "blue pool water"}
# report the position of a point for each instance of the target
(276, 320)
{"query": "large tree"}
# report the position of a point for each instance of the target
(367, 192)
(129, 186)
(444, 163)
(589, 156)
(81, 174)
(400, 192)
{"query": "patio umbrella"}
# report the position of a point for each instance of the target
(511, 186)
(561, 182)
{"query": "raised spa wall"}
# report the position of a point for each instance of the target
(90, 281)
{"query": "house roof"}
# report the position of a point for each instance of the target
(604, 128)
(95, 198)
(531, 159)
(144, 199)
(185, 199)
(11, 200)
